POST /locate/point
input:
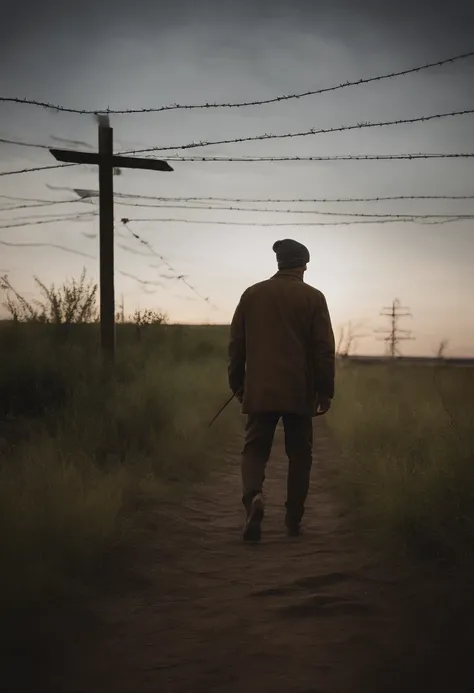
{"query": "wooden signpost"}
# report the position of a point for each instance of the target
(107, 161)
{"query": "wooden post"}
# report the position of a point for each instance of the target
(107, 161)
(106, 211)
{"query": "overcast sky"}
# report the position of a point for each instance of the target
(94, 55)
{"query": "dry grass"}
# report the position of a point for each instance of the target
(408, 432)
(78, 444)
(57, 514)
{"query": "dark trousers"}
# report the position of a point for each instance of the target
(259, 434)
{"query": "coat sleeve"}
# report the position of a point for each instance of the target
(237, 353)
(324, 349)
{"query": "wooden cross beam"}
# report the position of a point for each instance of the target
(107, 161)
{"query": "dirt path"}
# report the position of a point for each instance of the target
(198, 610)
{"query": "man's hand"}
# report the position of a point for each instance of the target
(323, 404)
(239, 395)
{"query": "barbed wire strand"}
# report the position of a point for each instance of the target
(80, 254)
(337, 157)
(20, 143)
(92, 213)
(47, 245)
(224, 209)
(355, 157)
(292, 211)
(241, 104)
(307, 133)
(37, 205)
(144, 282)
(292, 224)
(445, 221)
(51, 217)
(28, 199)
(46, 221)
(136, 196)
(177, 276)
(244, 159)
(35, 168)
(133, 251)
(308, 199)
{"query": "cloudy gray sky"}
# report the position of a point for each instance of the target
(143, 54)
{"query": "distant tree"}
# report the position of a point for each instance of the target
(340, 341)
(441, 350)
(348, 336)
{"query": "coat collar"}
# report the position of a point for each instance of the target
(291, 274)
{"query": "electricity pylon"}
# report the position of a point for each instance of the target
(395, 334)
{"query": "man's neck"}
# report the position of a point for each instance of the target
(293, 271)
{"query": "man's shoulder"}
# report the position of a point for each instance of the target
(258, 285)
(269, 285)
(255, 288)
(315, 293)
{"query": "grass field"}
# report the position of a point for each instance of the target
(78, 446)
(407, 437)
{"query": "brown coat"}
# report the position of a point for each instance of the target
(281, 350)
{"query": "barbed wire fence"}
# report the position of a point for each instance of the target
(87, 216)
(124, 199)
(287, 135)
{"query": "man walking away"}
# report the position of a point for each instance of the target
(281, 365)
